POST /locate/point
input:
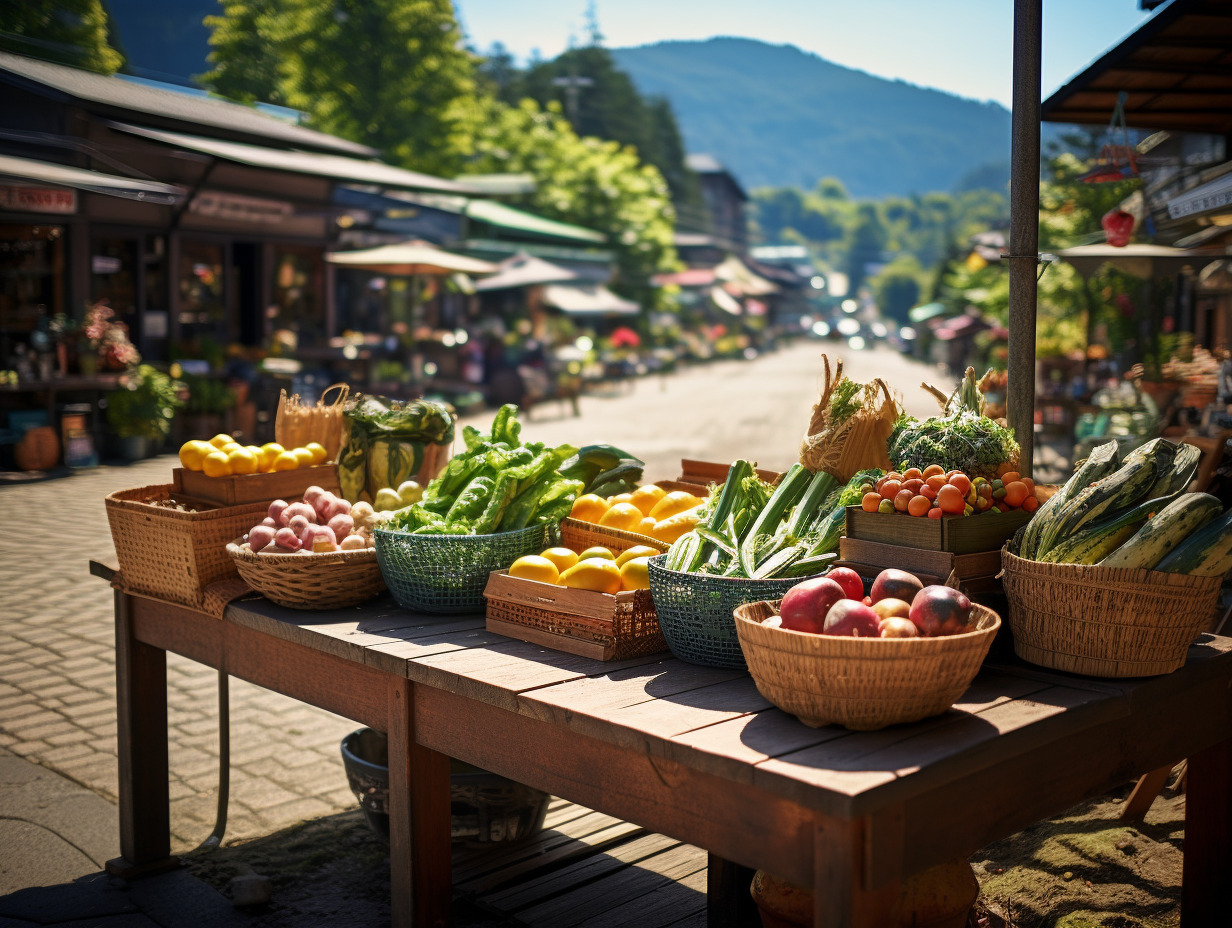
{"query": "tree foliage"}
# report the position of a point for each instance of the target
(591, 182)
(72, 32)
(388, 73)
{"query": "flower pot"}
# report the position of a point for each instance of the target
(129, 448)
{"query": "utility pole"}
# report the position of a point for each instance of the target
(573, 85)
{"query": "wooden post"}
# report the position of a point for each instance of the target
(141, 742)
(1208, 838)
(841, 897)
(729, 902)
(419, 828)
(1024, 226)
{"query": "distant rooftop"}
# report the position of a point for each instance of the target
(705, 164)
(499, 184)
(117, 97)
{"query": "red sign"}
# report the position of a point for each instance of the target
(39, 199)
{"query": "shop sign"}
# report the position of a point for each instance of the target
(1215, 195)
(236, 208)
(38, 199)
(104, 264)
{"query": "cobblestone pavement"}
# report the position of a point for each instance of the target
(57, 671)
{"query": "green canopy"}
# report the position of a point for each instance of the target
(927, 311)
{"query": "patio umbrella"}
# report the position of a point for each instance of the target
(625, 337)
(525, 270)
(411, 258)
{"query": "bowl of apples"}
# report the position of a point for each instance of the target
(830, 653)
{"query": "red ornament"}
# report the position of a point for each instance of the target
(1118, 227)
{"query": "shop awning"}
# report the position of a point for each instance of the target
(338, 167)
(927, 311)
(594, 301)
(523, 270)
(506, 217)
(734, 271)
(725, 301)
(410, 258)
(690, 277)
(1142, 261)
(60, 175)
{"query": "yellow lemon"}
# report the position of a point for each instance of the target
(242, 461)
(215, 464)
(635, 551)
(598, 574)
(634, 574)
(305, 457)
(619, 498)
(597, 551)
(230, 446)
(563, 558)
(269, 451)
(535, 567)
(669, 529)
(222, 438)
(319, 454)
(644, 498)
(624, 516)
(672, 503)
(285, 460)
(589, 508)
(647, 525)
(192, 453)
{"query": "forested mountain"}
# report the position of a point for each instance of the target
(778, 116)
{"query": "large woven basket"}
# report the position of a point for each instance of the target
(695, 612)
(446, 574)
(324, 580)
(172, 554)
(861, 683)
(1105, 621)
(579, 535)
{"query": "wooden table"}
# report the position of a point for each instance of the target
(690, 752)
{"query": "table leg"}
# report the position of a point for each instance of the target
(840, 897)
(419, 828)
(1208, 838)
(141, 739)
(729, 904)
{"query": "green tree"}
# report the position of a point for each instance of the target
(244, 54)
(72, 32)
(392, 74)
(591, 182)
(868, 243)
(897, 288)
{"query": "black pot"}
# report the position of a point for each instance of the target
(484, 808)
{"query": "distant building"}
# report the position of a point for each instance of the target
(724, 227)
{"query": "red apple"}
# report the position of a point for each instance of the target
(849, 580)
(850, 618)
(885, 608)
(898, 627)
(805, 606)
(940, 610)
(895, 584)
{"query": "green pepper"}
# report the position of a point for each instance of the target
(554, 511)
(505, 427)
(502, 496)
(527, 504)
(470, 501)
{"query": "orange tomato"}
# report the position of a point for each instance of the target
(902, 499)
(935, 513)
(1030, 484)
(912, 473)
(1030, 504)
(961, 482)
(929, 492)
(913, 484)
(890, 488)
(950, 500)
(919, 506)
(1009, 477)
(1015, 493)
(936, 481)
(933, 470)
(870, 502)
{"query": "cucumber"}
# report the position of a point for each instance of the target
(1205, 553)
(1173, 525)
(1101, 462)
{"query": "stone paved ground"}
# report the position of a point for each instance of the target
(57, 687)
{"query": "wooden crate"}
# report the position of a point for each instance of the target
(921, 561)
(956, 534)
(704, 473)
(254, 488)
(602, 626)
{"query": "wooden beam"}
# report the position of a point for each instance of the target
(1208, 837)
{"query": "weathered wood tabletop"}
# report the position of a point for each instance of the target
(690, 752)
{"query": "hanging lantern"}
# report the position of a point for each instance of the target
(1117, 161)
(1118, 227)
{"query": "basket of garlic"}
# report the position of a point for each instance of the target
(316, 553)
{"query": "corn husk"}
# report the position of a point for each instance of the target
(298, 423)
(844, 446)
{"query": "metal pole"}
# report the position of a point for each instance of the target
(1024, 226)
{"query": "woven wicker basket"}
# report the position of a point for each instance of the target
(1105, 621)
(446, 574)
(861, 683)
(324, 580)
(695, 612)
(171, 554)
(579, 535)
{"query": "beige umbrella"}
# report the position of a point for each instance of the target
(410, 259)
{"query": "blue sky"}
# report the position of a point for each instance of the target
(963, 46)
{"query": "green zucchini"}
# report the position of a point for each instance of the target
(1102, 461)
(792, 486)
(1205, 553)
(805, 513)
(1174, 523)
(1123, 487)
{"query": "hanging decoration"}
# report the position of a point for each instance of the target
(1117, 161)
(1118, 227)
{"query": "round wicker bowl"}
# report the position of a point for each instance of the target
(310, 581)
(860, 683)
(1105, 621)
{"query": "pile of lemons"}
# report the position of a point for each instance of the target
(596, 568)
(223, 456)
(648, 510)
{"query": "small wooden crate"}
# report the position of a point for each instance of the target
(921, 561)
(602, 626)
(955, 534)
(704, 473)
(254, 488)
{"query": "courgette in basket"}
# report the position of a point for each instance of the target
(1205, 553)
(1102, 461)
(791, 488)
(1174, 523)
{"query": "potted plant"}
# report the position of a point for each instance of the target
(140, 412)
(105, 341)
(208, 399)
